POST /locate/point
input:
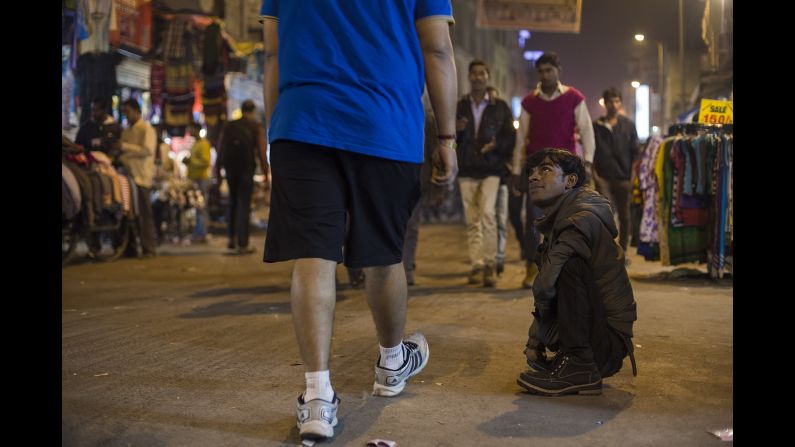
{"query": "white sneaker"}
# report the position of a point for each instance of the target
(317, 418)
(390, 382)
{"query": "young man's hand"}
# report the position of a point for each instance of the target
(488, 147)
(445, 165)
(461, 124)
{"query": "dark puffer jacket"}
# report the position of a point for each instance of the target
(581, 224)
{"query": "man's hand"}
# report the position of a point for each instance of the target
(461, 123)
(534, 354)
(445, 165)
(488, 147)
(266, 170)
(535, 351)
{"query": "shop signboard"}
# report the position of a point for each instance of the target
(133, 73)
(133, 27)
(559, 16)
(716, 112)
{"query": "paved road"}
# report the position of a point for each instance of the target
(196, 348)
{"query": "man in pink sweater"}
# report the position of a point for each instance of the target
(551, 114)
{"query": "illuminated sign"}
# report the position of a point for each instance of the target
(642, 111)
(716, 112)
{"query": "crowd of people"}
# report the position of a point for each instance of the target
(139, 151)
(353, 148)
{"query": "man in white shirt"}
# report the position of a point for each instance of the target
(138, 145)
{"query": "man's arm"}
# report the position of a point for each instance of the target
(146, 149)
(506, 141)
(270, 85)
(585, 126)
(261, 153)
(440, 77)
(219, 155)
(517, 164)
(520, 143)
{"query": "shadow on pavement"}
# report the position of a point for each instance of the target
(418, 291)
(558, 417)
(237, 308)
(354, 418)
(685, 276)
(241, 307)
(258, 290)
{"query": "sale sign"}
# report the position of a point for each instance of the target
(716, 112)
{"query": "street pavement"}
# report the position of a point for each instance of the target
(196, 348)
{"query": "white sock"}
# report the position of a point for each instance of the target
(318, 385)
(392, 358)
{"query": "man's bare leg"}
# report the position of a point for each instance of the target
(312, 299)
(387, 295)
(399, 359)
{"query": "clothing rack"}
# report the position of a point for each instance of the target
(695, 128)
(686, 182)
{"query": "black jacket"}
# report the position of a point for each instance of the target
(581, 224)
(497, 120)
(616, 149)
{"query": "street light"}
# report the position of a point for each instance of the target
(660, 73)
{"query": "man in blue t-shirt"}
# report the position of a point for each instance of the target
(343, 86)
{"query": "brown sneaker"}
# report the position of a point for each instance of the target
(530, 275)
(476, 276)
(489, 276)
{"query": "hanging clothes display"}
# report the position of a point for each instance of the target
(97, 18)
(96, 78)
(214, 94)
(214, 99)
(686, 186)
(649, 239)
(179, 94)
(157, 81)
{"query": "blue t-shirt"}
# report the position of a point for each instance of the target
(351, 74)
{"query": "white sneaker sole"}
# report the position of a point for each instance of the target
(392, 391)
(317, 429)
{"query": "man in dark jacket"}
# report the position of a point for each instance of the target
(242, 143)
(485, 137)
(584, 305)
(616, 151)
(101, 132)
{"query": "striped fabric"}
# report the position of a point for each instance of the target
(124, 186)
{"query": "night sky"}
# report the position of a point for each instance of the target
(599, 55)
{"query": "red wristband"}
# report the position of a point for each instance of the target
(446, 137)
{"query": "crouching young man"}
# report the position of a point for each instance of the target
(584, 306)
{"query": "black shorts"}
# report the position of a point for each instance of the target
(324, 198)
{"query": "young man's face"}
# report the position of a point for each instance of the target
(478, 77)
(131, 114)
(613, 105)
(548, 75)
(97, 113)
(547, 183)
